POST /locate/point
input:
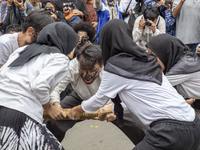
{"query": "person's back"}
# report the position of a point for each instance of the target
(35, 21)
(32, 83)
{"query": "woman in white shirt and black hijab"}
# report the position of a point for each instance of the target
(181, 66)
(142, 87)
(26, 81)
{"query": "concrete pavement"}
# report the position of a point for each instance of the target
(96, 135)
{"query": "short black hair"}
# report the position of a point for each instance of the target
(85, 26)
(37, 19)
(151, 13)
(13, 28)
(90, 54)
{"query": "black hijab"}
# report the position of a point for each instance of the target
(56, 3)
(56, 37)
(171, 51)
(123, 57)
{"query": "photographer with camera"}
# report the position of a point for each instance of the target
(68, 8)
(53, 8)
(86, 33)
(15, 12)
(148, 25)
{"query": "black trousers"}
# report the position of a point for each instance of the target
(170, 134)
(134, 129)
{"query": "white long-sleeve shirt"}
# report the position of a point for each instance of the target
(149, 101)
(26, 88)
(186, 84)
(85, 91)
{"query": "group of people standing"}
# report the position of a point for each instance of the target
(153, 88)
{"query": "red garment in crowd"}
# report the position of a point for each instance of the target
(92, 17)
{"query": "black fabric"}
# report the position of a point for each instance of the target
(169, 134)
(16, 126)
(118, 110)
(168, 49)
(57, 37)
(119, 50)
(56, 3)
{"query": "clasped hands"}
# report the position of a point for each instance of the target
(56, 112)
(104, 113)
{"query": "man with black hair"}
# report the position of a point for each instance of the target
(12, 28)
(15, 12)
(85, 77)
(34, 22)
(148, 25)
(85, 31)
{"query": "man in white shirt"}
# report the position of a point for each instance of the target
(34, 22)
(85, 73)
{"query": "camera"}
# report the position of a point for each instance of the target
(67, 5)
(48, 10)
(110, 2)
(147, 23)
(167, 2)
(84, 39)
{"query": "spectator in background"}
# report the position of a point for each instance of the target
(106, 10)
(36, 4)
(187, 21)
(54, 9)
(1, 23)
(80, 6)
(125, 7)
(14, 12)
(72, 19)
(169, 19)
(86, 33)
(13, 28)
(90, 15)
(147, 26)
(165, 9)
(34, 22)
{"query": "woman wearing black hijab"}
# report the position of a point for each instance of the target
(26, 81)
(181, 66)
(55, 10)
(145, 91)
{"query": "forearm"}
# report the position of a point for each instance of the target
(177, 10)
(6, 15)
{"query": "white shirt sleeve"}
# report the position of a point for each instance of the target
(46, 80)
(72, 70)
(106, 91)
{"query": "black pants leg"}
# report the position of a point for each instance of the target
(169, 134)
